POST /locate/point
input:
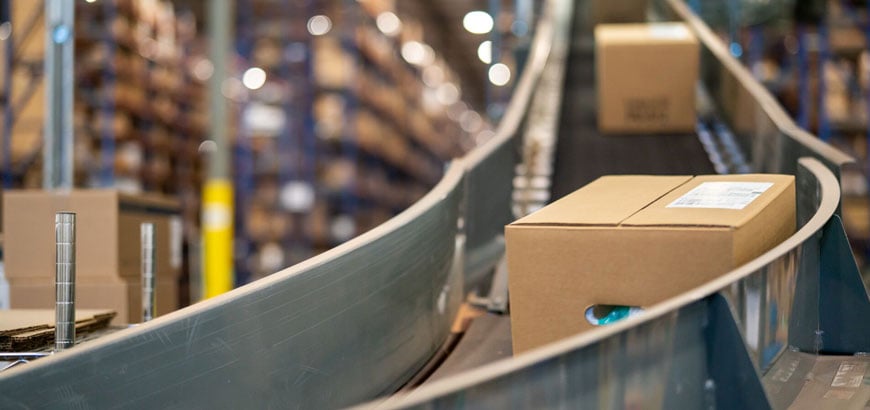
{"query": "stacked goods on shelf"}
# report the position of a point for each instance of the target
(846, 73)
(818, 69)
(274, 197)
(140, 102)
(136, 101)
(844, 102)
(347, 133)
(22, 47)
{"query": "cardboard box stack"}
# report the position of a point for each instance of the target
(108, 250)
(636, 241)
(646, 76)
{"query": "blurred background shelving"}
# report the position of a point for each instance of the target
(813, 56)
(342, 113)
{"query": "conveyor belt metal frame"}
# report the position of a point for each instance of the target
(691, 351)
(710, 347)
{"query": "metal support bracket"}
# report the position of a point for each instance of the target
(497, 299)
(498, 292)
(734, 381)
(844, 306)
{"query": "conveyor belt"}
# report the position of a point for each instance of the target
(583, 154)
(487, 339)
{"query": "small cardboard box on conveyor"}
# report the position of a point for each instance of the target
(646, 76)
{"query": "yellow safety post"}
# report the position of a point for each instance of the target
(217, 233)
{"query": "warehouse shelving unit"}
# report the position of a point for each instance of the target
(360, 143)
(811, 59)
(22, 91)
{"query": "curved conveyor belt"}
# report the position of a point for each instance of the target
(359, 321)
(583, 154)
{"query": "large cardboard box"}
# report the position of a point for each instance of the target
(636, 241)
(107, 233)
(120, 295)
(646, 76)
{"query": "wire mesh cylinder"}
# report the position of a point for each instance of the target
(148, 268)
(65, 277)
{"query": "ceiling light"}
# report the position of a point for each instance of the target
(418, 53)
(499, 74)
(319, 25)
(447, 94)
(477, 22)
(254, 78)
(433, 75)
(388, 23)
(484, 52)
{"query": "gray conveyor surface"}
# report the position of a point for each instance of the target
(583, 154)
(487, 339)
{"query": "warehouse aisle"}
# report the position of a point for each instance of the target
(582, 154)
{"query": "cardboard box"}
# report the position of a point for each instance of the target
(121, 296)
(646, 76)
(636, 241)
(619, 11)
(28, 330)
(107, 233)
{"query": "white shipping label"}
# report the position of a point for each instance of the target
(722, 195)
(669, 31)
(850, 374)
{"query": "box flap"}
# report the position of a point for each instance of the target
(714, 200)
(148, 202)
(605, 201)
(644, 33)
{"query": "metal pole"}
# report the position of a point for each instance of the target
(867, 93)
(822, 124)
(803, 78)
(57, 158)
(148, 267)
(217, 213)
(220, 18)
(493, 94)
(6, 93)
(65, 278)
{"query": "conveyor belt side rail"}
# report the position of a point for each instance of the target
(703, 349)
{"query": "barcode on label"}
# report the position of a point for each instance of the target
(721, 195)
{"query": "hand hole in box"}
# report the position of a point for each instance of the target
(600, 315)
